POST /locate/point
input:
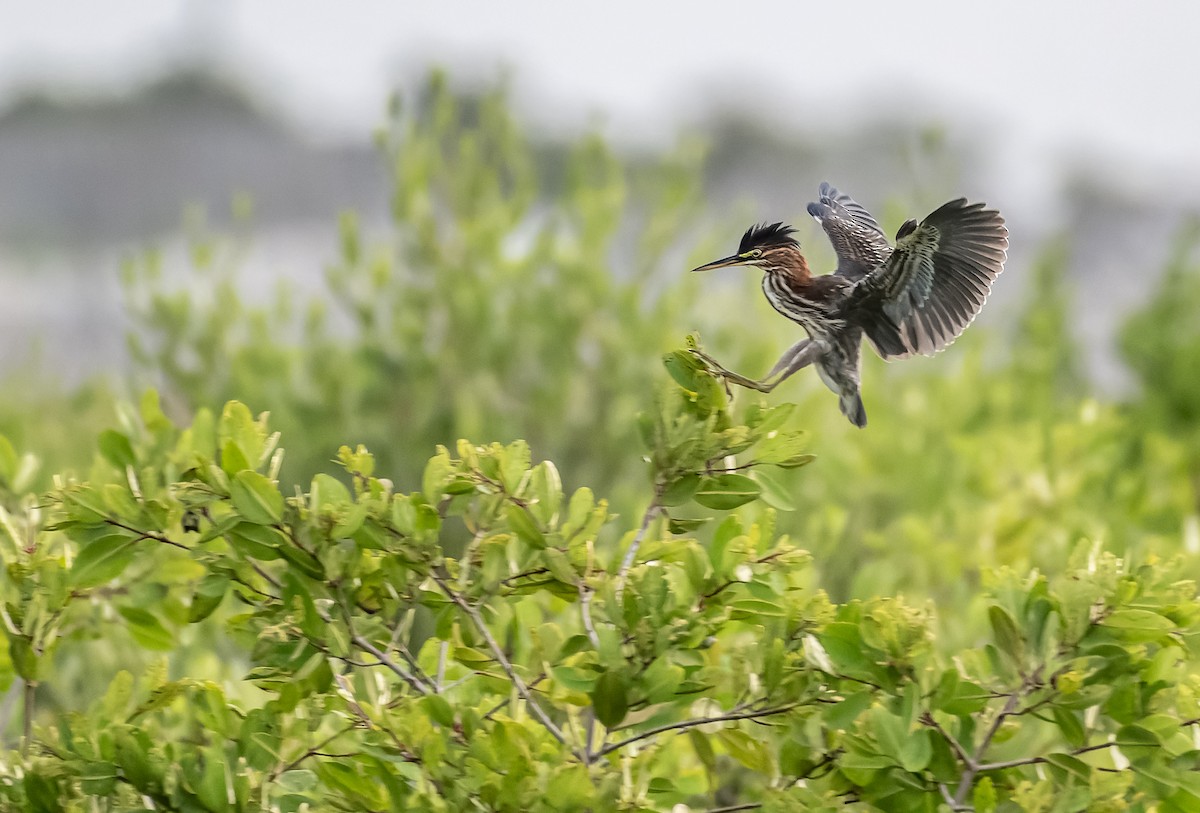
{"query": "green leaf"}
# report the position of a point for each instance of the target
(749, 751)
(103, 559)
(1139, 621)
(569, 787)
(1070, 764)
(685, 368)
(726, 491)
(841, 715)
(439, 710)
(233, 459)
(752, 609)
(983, 796)
(241, 438)
(775, 493)
(1004, 629)
(259, 542)
(256, 498)
(610, 698)
(328, 493)
(579, 511)
(146, 629)
(24, 660)
(779, 448)
(523, 525)
(44, 793)
(116, 449)
(575, 678)
(681, 490)
(912, 750)
(209, 594)
(437, 474)
(681, 525)
(545, 486)
(1068, 723)
(560, 566)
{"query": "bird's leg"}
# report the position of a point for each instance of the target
(797, 357)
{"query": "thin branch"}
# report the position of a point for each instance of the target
(722, 718)
(945, 791)
(732, 808)
(270, 579)
(502, 659)
(401, 672)
(440, 680)
(147, 534)
(954, 744)
(968, 776)
(626, 563)
(585, 612)
(27, 723)
(311, 752)
(1017, 763)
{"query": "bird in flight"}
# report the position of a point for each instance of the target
(915, 297)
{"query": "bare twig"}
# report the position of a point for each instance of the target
(968, 776)
(269, 578)
(411, 679)
(626, 563)
(954, 744)
(1017, 763)
(27, 723)
(146, 534)
(585, 612)
(685, 724)
(440, 680)
(498, 653)
(945, 791)
(732, 808)
(311, 752)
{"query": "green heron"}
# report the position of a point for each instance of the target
(916, 297)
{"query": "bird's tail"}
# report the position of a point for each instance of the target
(852, 407)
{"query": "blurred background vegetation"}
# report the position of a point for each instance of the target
(465, 277)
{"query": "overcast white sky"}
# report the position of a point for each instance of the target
(1053, 79)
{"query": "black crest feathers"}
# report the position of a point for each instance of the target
(763, 235)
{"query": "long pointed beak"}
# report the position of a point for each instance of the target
(724, 262)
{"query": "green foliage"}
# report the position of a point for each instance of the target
(478, 313)
(979, 603)
(1161, 344)
(573, 660)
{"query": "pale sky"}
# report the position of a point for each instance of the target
(1051, 80)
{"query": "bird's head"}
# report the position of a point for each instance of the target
(770, 247)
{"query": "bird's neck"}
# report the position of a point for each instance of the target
(795, 270)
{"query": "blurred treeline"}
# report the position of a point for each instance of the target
(512, 296)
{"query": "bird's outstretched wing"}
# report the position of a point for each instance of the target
(860, 245)
(935, 281)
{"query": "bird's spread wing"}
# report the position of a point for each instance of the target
(859, 243)
(935, 281)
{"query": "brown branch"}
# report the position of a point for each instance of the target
(585, 613)
(1017, 763)
(955, 745)
(626, 563)
(27, 723)
(311, 752)
(505, 664)
(968, 776)
(722, 718)
(157, 537)
(408, 677)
